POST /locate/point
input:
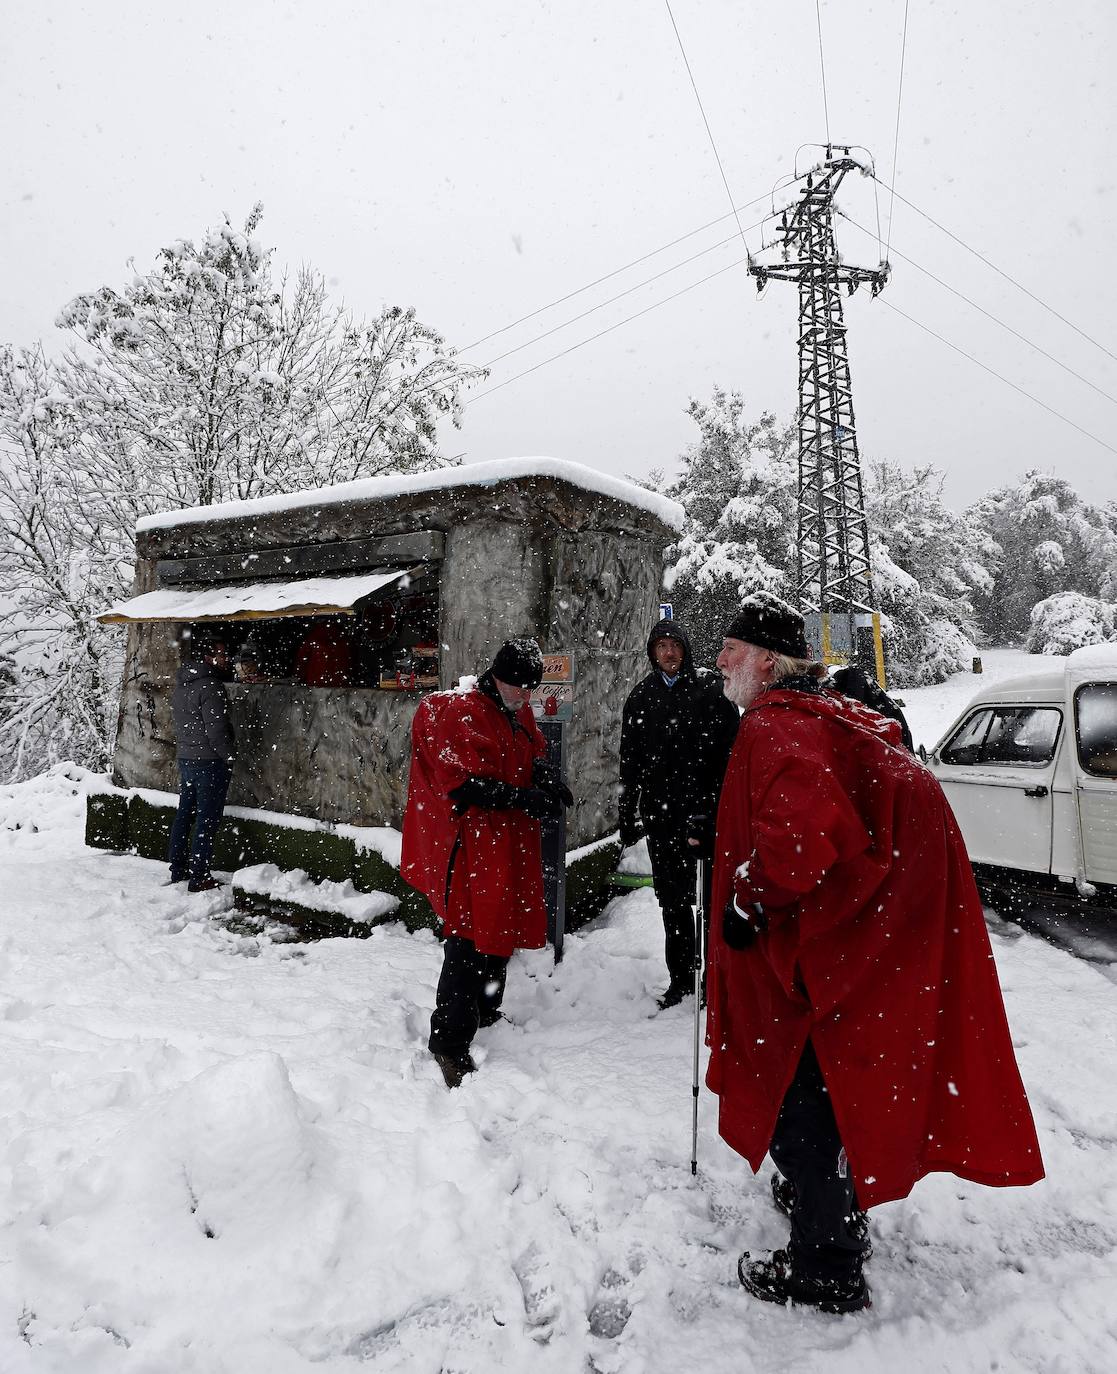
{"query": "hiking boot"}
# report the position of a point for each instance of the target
(673, 996)
(772, 1278)
(454, 1067)
(783, 1195)
(203, 884)
(491, 1017)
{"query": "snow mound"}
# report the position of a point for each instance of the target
(40, 811)
(294, 886)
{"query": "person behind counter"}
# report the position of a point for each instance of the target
(325, 657)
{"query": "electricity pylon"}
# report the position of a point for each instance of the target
(834, 571)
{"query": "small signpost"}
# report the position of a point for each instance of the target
(553, 704)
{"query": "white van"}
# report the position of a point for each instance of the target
(1030, 769)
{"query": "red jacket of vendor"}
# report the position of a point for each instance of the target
(875, 947)
(481, 871)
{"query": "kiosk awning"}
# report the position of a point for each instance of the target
(259, 601)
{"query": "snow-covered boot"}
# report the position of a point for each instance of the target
(783, 1195)
(454, 1067)
(772, 1278)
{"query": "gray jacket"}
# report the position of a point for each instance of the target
(200, 708)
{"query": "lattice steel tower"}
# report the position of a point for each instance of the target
(834, 572)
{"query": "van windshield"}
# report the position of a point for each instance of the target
(1095, 709)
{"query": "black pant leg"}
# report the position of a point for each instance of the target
(211, 788)
(456, 1011)
(807, 1150)
(673, 876)
(490, 995)
(178, 855)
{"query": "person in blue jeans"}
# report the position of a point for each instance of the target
(205, 748)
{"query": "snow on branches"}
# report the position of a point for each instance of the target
(213, 382)
(202, 379)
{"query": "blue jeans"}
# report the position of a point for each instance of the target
(203, 785)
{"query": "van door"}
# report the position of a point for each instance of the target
(1095, 722)
(997, 771)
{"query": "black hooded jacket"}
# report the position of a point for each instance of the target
(200, 709)
(675, 741)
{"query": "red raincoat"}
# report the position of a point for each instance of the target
(876, 948)
(482, 872)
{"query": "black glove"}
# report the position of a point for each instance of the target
(700, 835)
(537, 802)
(494, 795)
(631, 827)
(739, 930)
(546, 775)
(490, 793)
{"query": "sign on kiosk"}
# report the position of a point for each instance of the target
(553, 699)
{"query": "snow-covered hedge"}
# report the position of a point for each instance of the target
(1068, 621)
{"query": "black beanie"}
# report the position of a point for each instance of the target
(519, 662)
(770, 623)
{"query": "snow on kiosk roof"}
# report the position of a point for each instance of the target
(473, 474)
(523, 546)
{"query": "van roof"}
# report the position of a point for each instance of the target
(1050, 682)
(1091, 663)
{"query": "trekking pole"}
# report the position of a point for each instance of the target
(699, 931)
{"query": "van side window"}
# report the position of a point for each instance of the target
(1095, 711)
(965, 746)
(1006, 735)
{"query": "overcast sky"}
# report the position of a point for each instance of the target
(480, 160)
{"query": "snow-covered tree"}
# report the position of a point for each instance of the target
(1068, 621)
(200, 380)
(929, 563)
(1051, 541)
(738, 490)
(206, 380)
(60, 562)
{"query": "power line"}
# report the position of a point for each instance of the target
(601, 333)
(1000, 273)
(655, 252)
(619, 296)
(896, 144)
(988, 315)
(702, 109)
(1042, 404)
(822, 64)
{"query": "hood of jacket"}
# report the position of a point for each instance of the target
(196, 672)
(815, 698)
(671, 629)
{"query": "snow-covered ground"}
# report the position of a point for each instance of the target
(221, 1153)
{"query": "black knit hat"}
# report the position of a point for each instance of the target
(519, 662)
(765, 620)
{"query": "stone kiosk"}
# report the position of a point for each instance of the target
(410, 583)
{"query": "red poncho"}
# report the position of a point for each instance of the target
(495, 893)
(876, 948)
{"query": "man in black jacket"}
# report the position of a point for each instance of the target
(205, 748)
(676, 734)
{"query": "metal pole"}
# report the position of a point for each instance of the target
(699, 933)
